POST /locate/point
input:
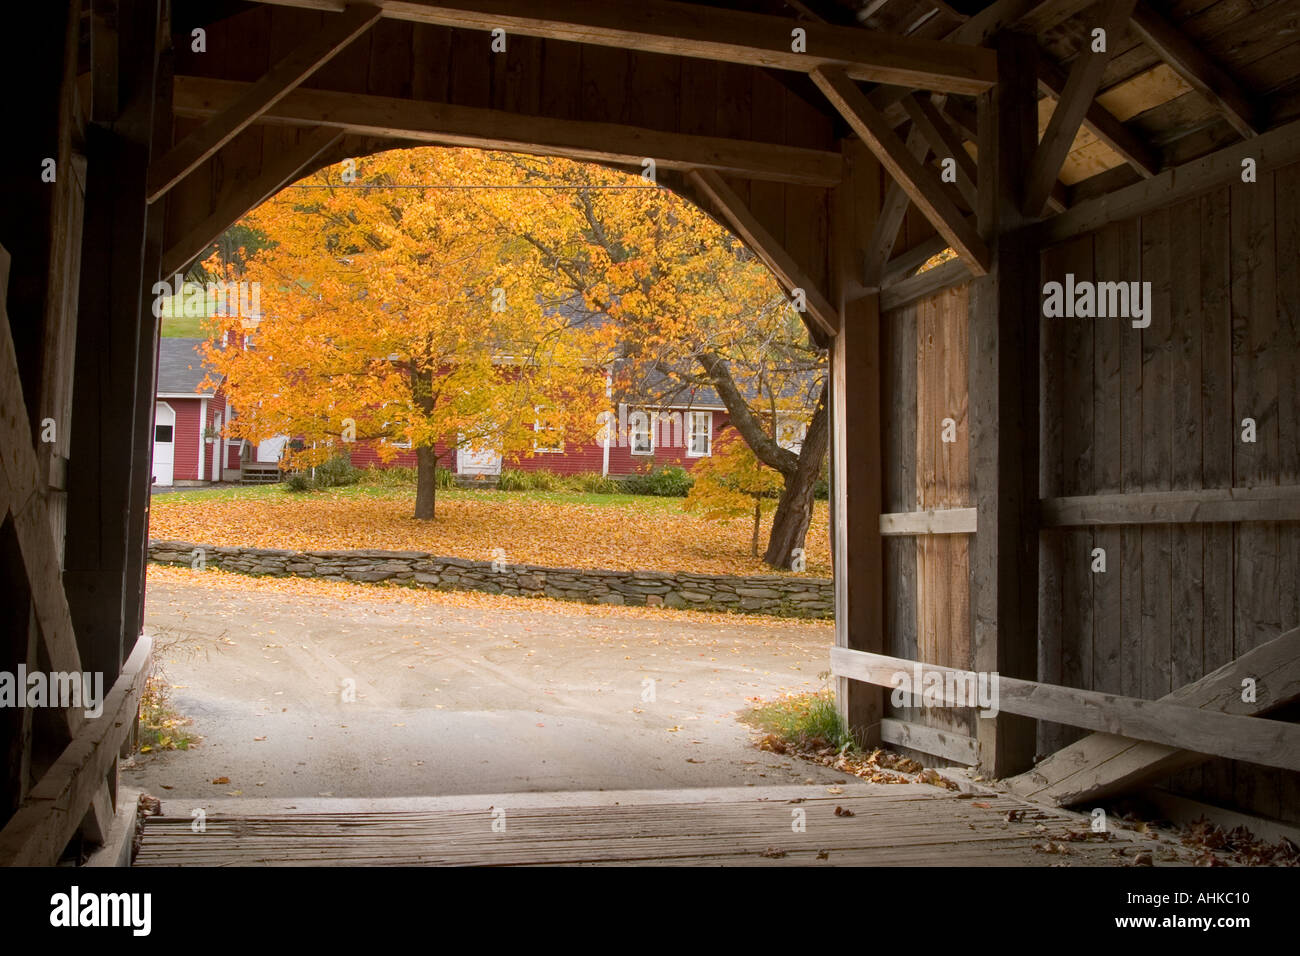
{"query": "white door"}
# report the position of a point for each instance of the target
(164, 443)
(478, 461)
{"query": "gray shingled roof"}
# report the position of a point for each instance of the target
(180, 366)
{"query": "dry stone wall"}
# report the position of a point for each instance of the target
(756, 594)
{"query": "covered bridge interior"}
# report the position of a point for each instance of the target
(1093, 491)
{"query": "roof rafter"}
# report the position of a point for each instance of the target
(1076, 99)
(1198, 69)
(450, 125)
(710, 33)
(919, 182)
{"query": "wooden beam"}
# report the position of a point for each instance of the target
(928, 740)
(309, 56)
(1003, 374)
(1202, 73)
(1144, 159)
(450, 125)
(284, 169)
(1074, 103)
(943, 276)
(890, 219)
(944, 142)
(920, 183)
(932, 521)
(905, 263)
(1104, 764)
(24, 494)
(1208, 506)
(765, 246)
(38, 832)
(1270, 743)
(708, 33)
(855, 441)
(103, 103)
(977, 31)
(1270, 151)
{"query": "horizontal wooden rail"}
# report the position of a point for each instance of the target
(1271, 743)
(1205, 506)
(43, 825)
(933, 521)
(930, 740)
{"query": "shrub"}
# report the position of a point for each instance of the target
(671, 482)
(594, 483)
(336, 472)
(822, 489)
(387, 477)
(299, 481)
(512, 479)
(443, 478)
(541, 480)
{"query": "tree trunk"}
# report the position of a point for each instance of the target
(795, 508)
(758, 518)
(426, 483)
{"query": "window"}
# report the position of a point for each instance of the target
(641, 433)
(162, 433)
(700, 442)
(546, 434)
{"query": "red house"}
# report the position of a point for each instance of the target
(188, 447)
(639, 438)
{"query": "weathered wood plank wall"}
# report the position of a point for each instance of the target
(927, 586)
(1162, 409)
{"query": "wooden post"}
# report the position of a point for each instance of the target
(108, 354)
(1004, 407)
(855, 440)
(141, 480)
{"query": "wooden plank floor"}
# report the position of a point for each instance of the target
(891, 825)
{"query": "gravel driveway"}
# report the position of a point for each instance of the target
(461, 700)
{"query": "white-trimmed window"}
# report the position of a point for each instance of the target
(547, 438)
(641, 433)
(699, 442)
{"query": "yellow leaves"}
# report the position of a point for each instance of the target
(728, 483)
(646, 536)
(215, 583)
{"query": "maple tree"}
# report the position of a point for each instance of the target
(395, 311)
(691, 307)
(732, 483)
(377, 310)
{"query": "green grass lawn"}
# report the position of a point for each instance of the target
(183, 327)
(279, 492)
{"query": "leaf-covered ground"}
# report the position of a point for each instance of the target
(219, 583)
(617, 532)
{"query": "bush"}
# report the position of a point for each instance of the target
(336, 472)
(671, 482)
(512, 479)
(516, 479)
(299, 481)
(822, 489)
(541, 480)
(443, 478)
(594, 483)
(387, 477)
